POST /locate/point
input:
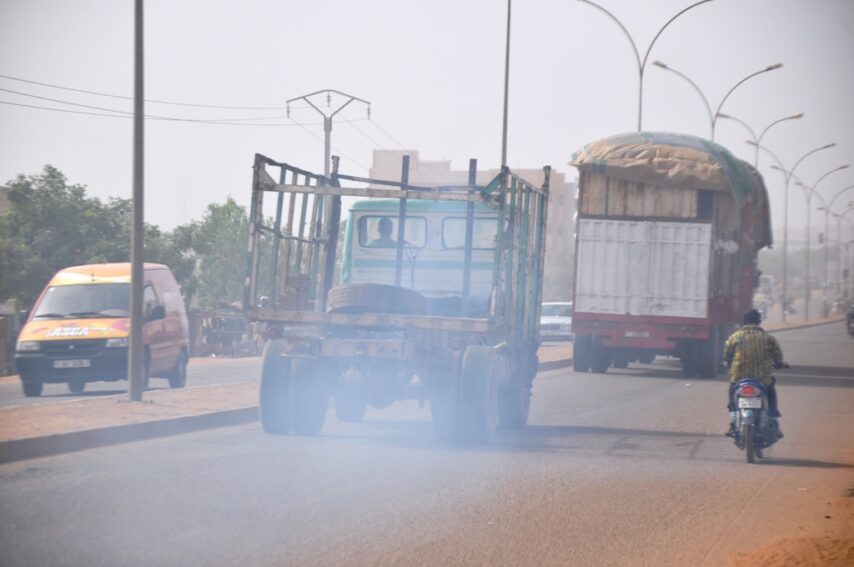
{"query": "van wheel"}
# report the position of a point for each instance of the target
(178, 376)
(76, 385)
(32, 389)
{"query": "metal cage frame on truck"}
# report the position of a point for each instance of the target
(475, 371)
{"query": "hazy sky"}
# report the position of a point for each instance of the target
(433, 71)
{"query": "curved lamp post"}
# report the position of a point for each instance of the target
(757, 140)
(810, 192)
(839, 238)
(787, 176)
(713, 116)
(641, 62)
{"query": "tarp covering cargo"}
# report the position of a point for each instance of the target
(681, 161)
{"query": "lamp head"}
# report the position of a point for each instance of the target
(660, 64)
(774, 66)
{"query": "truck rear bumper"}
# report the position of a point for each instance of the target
(646, 333)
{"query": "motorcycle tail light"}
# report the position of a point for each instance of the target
(748, 391)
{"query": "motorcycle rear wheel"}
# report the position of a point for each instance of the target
(749, 441)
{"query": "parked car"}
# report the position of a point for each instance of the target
(556, 321)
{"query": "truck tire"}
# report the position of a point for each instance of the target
(274, 405)
(375, 298)
(690, 357)
(32, 388)
(646, 357)
(600, 356)
(514, 404)
(478, 394)
(621, 358)
(709, 355)
(76, 385)
(581, 353)
(445, 402)
(350, 403)
(310, 396)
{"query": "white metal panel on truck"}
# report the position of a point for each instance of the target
(630, 267)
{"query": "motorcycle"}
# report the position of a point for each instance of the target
(754, 430)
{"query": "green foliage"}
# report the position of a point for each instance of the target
(219, 242)
(51, 225)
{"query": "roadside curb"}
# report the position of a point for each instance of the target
(798, 326)
(34, 447)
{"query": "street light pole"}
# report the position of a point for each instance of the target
(787, 176)
(757, 140)
(838, 239)
(641, 62)
(327, 118)
(713, 116)
(810, 192)
(136, 356)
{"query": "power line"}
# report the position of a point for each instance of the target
(217, 106)
(128, 115)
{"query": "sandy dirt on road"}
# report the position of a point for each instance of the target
(835, 548)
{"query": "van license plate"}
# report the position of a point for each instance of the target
(750, 402)
(75, 363)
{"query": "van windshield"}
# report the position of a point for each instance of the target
(85, 300)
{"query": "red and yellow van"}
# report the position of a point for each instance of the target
(77, 331)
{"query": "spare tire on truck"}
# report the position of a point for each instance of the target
(375, 298)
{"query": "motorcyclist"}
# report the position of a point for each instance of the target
(752, 353)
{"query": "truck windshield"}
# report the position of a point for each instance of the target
(560, 310)
(85, 300)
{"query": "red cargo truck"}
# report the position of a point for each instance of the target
(668, 231)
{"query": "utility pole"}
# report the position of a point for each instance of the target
(136, 364)
(327, 117)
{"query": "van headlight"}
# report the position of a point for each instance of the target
(117, 343)
(28, 346)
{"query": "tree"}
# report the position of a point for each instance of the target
(219, 243)
(51, 225)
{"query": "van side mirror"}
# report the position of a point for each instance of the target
(157, 312)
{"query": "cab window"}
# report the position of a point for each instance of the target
(484, 232)
(378, 231)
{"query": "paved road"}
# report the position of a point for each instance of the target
(200, 372)
(628, 468)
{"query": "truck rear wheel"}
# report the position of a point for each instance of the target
(621, 358)
(445, 402)
(600, 356)
(375, 298)
(310, 395)
(76, 385)
(514, 403)
(478, 394)
(350, 403)
(581, 353)
(709, 355)
(274, 405)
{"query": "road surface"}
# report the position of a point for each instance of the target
(627, 468)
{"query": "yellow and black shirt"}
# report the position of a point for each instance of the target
(752, 354)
